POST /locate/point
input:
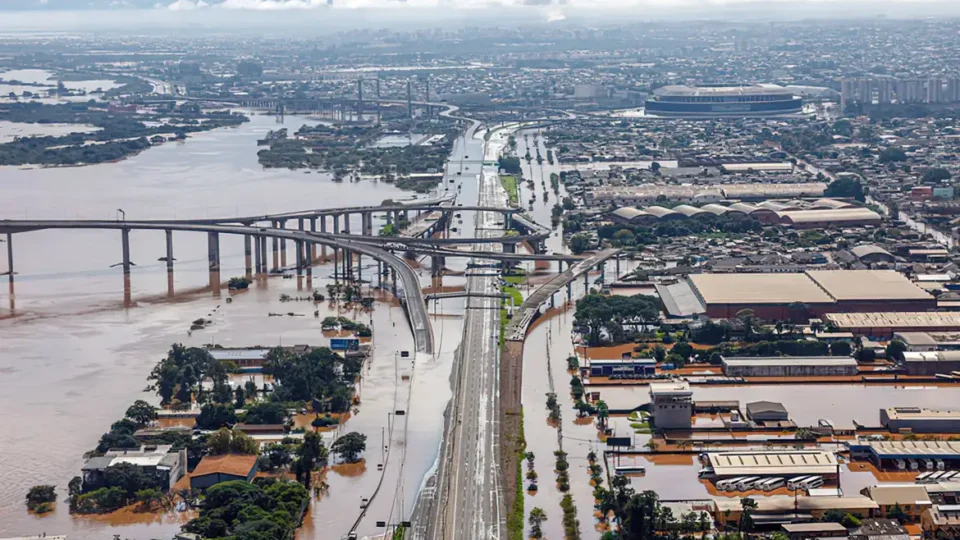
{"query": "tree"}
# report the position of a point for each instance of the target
(623, 238)
(250, 390)
(897, 513)
(603, 412)
(536, 519)
(579, 243)
(895, 350)
(227, 441)
(866, 355)
(179, 375)
(655, 167)
(846, 187)
(350, 446)
(850, 521)
(142, 413)
(841, 348)
(311, 454)
(276, 456)
(659, 353)
(40, 497)
(216, 416)
(745, 524)
(935, 175)
(892, 155)
(148, 496)
(240, 400)
(266, 413)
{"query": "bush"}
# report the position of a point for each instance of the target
(40, 497)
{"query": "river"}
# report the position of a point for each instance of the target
(73, 358)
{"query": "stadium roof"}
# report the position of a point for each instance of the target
(867, 285)
(773, 463)
(758, 289)
(756, 90)
(895, 319)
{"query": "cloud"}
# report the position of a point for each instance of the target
(187, 5)
(274, 5)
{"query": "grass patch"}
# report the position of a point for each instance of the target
(510, 184)
(516, 518)
(515, 294)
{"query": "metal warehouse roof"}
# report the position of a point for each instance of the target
(689, 211)
(896, 319)
(659, 211)
(826, 361)
(867, 285)
(758, 289)
(837, 215)
(934, 449)
(864, 250)
(763, 463)
(628, 212)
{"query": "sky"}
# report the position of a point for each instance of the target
(21, 15)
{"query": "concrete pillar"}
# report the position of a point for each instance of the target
(298, 245)
(247, 257)
(586, 282)
(308, 250)
(283, 246)
(313, 245)
(379, 274)
(508, 220)
(336, 265)
(213, 257)
(125, 241)
(367, 223)
(393, 278)
(300, 225)
(346, 223)
(618, 266)
(10, 256)
(169, 235)
(213, 251)
(336, 224)
(257, 255)
(360, 269)
(323, 230)
(263, 254)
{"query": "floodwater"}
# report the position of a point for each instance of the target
(11, 130)
(73, 358)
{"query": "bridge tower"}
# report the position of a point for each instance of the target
(359, 99)
(409, 99)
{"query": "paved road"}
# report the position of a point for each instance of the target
(473, 506)
(410, 293)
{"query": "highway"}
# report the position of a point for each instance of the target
(470, 502)
(410, 293)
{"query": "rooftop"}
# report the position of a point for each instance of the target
(916, 413)
(756, 90)
(932, 449)
(758, 289)
(890, 495)
(675, 387)
(896, 319)
(233, 464)
(867, 285)
(790, 361)
(785, 462)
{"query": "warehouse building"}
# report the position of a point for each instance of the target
(785, 464)
(886, 324)
(931, 363)
(767, 411)
(822, 219)
(871, 254)
(622, 367)
(632, 216)
(790, 366)
(917, 420)
(887, 455)
(814, 293)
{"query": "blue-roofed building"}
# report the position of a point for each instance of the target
(632, 368)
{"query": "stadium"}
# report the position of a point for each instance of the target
(720, 101)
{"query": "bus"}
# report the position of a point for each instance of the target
(812, 483)
(794, 483)
(747, 483)
(771, 484)
(725, 485)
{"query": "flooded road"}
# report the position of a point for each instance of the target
(73, 360)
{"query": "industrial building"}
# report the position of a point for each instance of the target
(931, 363)
(814, 293)
(884, 325)
(912, 500)
(790, 366)
(622, 367)
(671, 404)
(820, 219)
(889, 454)
(161, 463)
(767, 411)
(722, 101)
(918, 420)
(781, 463)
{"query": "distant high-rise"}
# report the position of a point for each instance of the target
(884, 92)
(934, 91)
(865, 91)
(846, 92)
(953, 89)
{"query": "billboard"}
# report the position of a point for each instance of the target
(345, 344)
